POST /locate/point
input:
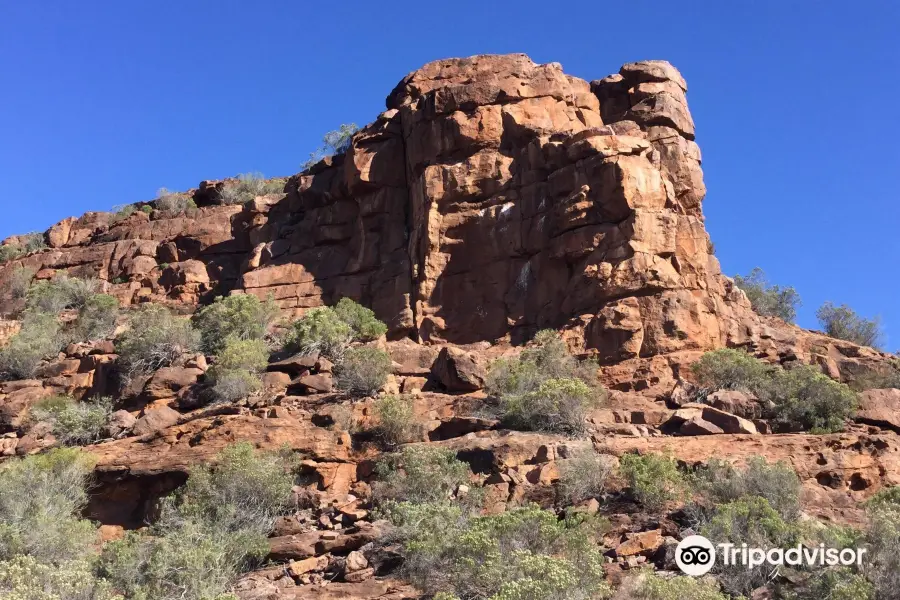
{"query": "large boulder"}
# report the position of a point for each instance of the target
(458, 370)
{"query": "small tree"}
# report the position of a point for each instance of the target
(363, 371)
(362, 321)
(769, 300)
(805, 397)
(321, 331)
(654, 479)
(97, 317)
(155, 338)
(74, 423)
(241, 316)
(557, 405)
(843, 323)
(333, 142)
(38, 339)
(235, 372)
(731, 369)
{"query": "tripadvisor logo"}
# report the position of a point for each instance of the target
(695, 555)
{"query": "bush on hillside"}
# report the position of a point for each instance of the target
(74, 423)
(321, 331)
(883, 537)
(583, 476)
(19, 282)
(26, 244)
(654, 479)
(25, 578)
(333, 143)
(362, 371)
(419, 474)
(39, 338)
(213, 529)
(62, 292)
(884, 377)
(155, 338)
(731, 369)
(557, 405)
(97, 318)
(241, 316)
(362, 321)
(754, 522)
(839, 583)
(122, 212)
(41, 498)
(804, 397)
(235, 374)
(248, 186)
(648, 585)
(173, 202)
(769, 300)
(843, 323)
(395, 420)
(720, 482)
(524, 553)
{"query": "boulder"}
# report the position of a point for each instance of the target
(644, 543)
(880, 407)
(312, 384)
(155, 420)
(458, 370)
(166, 382)
(295, 365)
(120, 423)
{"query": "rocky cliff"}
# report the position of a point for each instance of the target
(493, 198)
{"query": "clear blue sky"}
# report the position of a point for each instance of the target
(795, 103)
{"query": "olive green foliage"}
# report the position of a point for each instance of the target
(122, 212)
(396, 421)
(61, 292)
(583, 476)
(41, 497)
(884, 377)
(545, 388)
(155, 338)
(248, 186)
(839, 583)
(333, 142)
(25, 578)
(235, 373)
(39, 338)
(720, 482)
(19, 282)
(362, 321)
(843, 323)
(752, 521)
(241, 316)
(803, 396)
(362, 371)
(889, 496)
(330, 330)
(74, 423)
(173, 202)
(420, 474)
(523, 554)
(647, 585)
(211, 531)
(654, 479)
(26, 244)
(882, 567)
(97, 317)
(799, 397)
(769, 300)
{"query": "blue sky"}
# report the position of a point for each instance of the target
(795, 104)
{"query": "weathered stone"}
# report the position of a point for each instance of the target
(458, 371)
(155, 420)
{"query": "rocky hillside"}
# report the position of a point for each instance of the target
(494, 198)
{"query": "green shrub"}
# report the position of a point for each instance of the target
(889, 496)
(362, 321)
(884, 377)
(173, 202)
(769, 300)
(721, 482)
(38, 339)
(321, 331)
(754, 522)
(19, 282)
(41, 497)
(362, 371)
(882, 566)
(843, 323)
(97, 318)
(235, 372)
(155, 338)
(834, 584)
(523, 554)
(62, 292)
(25, 578)
(731, 369)
(24, 245)
(654, 479)
(248, 186)
(583, 476)
(557, 405)
(74, 423)
(420, 474)
(211, 531)
(805, 397)
(241, 316)
(333, 142)
(647, 585)
(122, 212)
(395, 420)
